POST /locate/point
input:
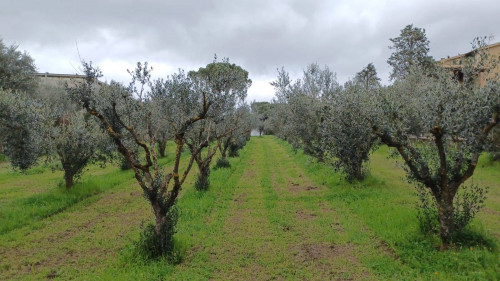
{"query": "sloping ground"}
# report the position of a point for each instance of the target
(274, 215)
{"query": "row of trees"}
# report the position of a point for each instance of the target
(203, 112)
(438, 123)
(39, 121)
(202, 109)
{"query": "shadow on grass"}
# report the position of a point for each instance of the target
(470, 238)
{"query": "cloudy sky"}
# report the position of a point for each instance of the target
(259, 35)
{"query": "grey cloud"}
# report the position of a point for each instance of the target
(259, 35)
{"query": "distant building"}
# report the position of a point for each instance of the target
(57, 80)
(456, 63)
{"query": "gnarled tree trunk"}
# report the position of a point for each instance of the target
(203, 176)
(164, 227)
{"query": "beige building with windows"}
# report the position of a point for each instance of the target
(456, 63)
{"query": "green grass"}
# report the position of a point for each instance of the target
(274, 214)
(29, 202)
(201, 214)
(25, 211)
(386, 203)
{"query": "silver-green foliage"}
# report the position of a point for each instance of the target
(21, 119)
(229, 83)
(298, 108)
(71, 136)
(454, 119)
(18, 112)
(135, 116)
(345, 137)
(17, 69)
(39, 120)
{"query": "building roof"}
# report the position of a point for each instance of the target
(55, 75)
(468, 53)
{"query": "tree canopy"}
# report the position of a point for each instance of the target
(17, 69)
(410, 52)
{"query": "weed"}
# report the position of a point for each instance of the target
(222, 163)
(467, 203)
(152, 245)
(202, 181)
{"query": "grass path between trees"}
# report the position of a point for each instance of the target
(274, 215)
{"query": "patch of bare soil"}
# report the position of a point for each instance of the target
(384, 247)
(249, 174)
(191, 253)
(302, 215)
(325, 209)
(240, 198)
(337, 227)
(296, 188)
(332, 262)
(315, 252)
(236, 218)
(490, 211)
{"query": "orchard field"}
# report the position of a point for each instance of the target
(273, 215)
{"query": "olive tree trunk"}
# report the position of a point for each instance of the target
(69, 174)
(68, 179)
(203, 177)
(162, 145)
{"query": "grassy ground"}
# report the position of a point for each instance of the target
(274, 215)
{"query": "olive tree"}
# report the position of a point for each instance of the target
(202, 133)
(77, 142)
(69, 134)
(456, 117)
(299, 107)
(49, 125)
(229, 133)
(21, 118)
(494, 147)
(345, 137)
(17, 69)
(163, 137)
(241, 135)
(228, 80)
(39, 120)
(17, 74)
(130, 117)
(261, 112)
(279, 118)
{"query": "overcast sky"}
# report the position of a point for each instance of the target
(259, 35)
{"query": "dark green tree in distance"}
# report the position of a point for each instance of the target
(367, 78)
(410, 51)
